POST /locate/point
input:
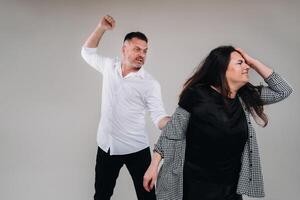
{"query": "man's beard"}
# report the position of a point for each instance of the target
(138, 63)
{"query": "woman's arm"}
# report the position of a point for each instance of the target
(174, 130)
(259, 67)
(277, 89)
(150, 176)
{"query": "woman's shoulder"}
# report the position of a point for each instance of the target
(199, 91)
(190, 96)
(196, 89)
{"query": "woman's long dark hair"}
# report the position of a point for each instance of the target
(212, 72)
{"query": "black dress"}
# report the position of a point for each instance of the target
(215, 140)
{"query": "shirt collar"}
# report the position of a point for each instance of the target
(140, 73)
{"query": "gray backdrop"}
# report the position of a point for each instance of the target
(50, 98)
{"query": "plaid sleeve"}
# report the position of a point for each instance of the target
(277, 89)
(174, 130)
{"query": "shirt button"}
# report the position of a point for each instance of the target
(250, 179)
(251, 136)
(249, 122)
(250, 165)
(251, 151)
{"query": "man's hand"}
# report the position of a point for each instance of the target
(163, 122)
(107, 23)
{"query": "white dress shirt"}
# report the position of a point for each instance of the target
(125, 101)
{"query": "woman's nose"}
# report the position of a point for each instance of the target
(247, 66)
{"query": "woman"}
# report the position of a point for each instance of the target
(209, 146)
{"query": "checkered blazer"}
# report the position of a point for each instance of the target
(171, 146)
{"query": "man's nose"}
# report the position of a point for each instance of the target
(143, 54)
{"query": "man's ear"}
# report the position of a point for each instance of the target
(123, 49)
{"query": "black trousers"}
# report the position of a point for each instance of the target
(107, 171)
(202, 190)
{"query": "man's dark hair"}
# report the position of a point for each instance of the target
(137, 34)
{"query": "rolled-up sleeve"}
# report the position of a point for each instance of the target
(277, 89)
(155, 104)
(95, 60)
(175, 129)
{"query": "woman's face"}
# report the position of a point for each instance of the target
(237, 71)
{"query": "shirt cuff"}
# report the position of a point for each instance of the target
(156, 149)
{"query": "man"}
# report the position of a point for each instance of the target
(128, 92)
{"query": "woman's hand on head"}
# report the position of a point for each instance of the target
(248, 59)
(263, 70)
